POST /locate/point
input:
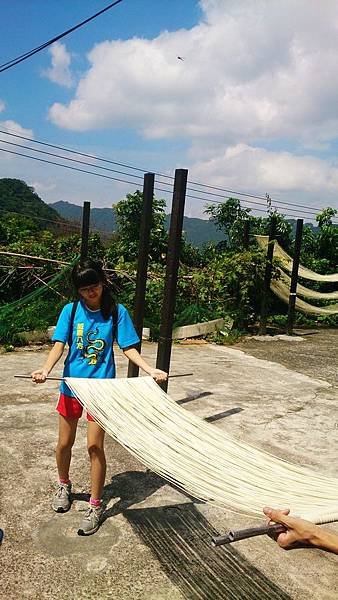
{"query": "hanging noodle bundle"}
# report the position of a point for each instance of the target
(281, 287)
(197, 457)
(304, 272)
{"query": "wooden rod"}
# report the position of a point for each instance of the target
(58, 262)
(243, 534)
(62, 378)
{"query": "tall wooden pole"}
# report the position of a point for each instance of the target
(246, 233)
(85, 230)
(142, 267)
(174, 246)
(294, 276)
(267, 277)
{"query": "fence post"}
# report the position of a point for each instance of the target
(141, 277)
(85, 230)
(294, 277)
(267, 277)
(169, 299)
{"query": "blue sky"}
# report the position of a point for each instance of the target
(250, 108)
(40, 20)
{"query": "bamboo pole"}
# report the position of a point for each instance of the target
(58, 262)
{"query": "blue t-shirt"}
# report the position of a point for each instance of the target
(91, 352)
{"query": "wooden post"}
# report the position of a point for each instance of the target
(294, 277)
(142, 267)
(174, 246)
(267, 277)
(85, 230)
(246, 233)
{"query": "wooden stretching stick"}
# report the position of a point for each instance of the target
(243, 534)
(61, 378)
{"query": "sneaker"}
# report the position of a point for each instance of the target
(91, 521)
(61, 501)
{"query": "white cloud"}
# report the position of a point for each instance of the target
(299, 179)
(60, 72)
(14, 127)
(253, 70)
(255, 73)
(43, 188)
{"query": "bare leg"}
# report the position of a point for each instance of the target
(95, 443)
(67, 433)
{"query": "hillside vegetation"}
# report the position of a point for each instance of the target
(17, 197)
(217, 280)
(197, 231)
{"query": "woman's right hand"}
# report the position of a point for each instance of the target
(39, 376)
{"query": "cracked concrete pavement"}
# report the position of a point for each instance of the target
(155, 541)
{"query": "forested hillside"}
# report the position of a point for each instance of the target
(216, 280)
(197, 231)
(18, 197)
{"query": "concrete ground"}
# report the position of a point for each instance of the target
(155, 541)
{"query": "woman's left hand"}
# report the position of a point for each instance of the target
(158, 375)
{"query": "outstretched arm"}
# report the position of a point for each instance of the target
(299, 530)
(133, 355)
(54, 355)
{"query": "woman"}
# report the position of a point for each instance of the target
(90, 327)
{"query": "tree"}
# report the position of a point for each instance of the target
(324, 218)
(128, 218)
(261, 226)
(17, 197)
(229, 218)
(327, 238)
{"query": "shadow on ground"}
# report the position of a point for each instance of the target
(180, 538)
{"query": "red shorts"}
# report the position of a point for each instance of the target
(70, 407)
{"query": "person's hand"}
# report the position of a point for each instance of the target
(298, 530)
(39, 376)
(158, 375)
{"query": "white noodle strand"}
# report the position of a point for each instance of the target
(199, 458)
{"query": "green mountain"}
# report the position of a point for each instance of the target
(102, 219)
(17, 197)
(197, 231)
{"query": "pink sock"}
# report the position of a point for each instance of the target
(64, 480)
(95, 502)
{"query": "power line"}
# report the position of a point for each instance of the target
(206, 199)
(161, 182)
(120, 180)
(139, 177)
(312, 208)
(11, 63)
(71, 159)
(314, 212)
(286, 214)
(30, 216)
(98, 158)
(66, 223)
(306, 212)
(131, 167)
(51, 162)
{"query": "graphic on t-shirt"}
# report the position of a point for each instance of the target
(94, 350)
(91, 354)
(79, 336)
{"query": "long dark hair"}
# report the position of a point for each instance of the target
(88, 272)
